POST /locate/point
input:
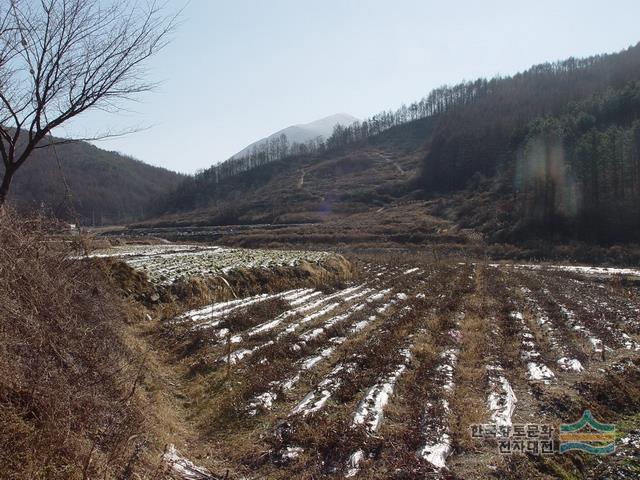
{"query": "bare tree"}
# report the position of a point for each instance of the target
(60, 58)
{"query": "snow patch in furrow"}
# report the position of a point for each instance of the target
(502, 400)
(437, 450)
(294, 326)
(621, 337)
(183, 468)
(578, 326)
(370, 411)
(218, 310)
(537, 371)
(411, 270)
(316, 332)
(240, 354)
(317, 398)
(272, 324)
(628, 342)
(237, 355)
(540, 372)
(353, 464)
(266, 399)
(564, 362)
(570, 364)
(360, 292)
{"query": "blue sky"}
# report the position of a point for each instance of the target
(238, 70)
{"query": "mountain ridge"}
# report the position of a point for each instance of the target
(302, 132)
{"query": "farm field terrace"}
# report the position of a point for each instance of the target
(385, 375)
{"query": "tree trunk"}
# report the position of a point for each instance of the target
(4, 187)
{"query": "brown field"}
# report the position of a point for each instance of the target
(383, 376)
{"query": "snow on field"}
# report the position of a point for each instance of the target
(237, 355)
(302, 307)
(502, 401)
(271, 324)
(438, 446)
(566, 363)
(353, 463)
(316, 332)
(570, 364)
(341, 295)
(621, 337)
(578, 326)
(183, 468)
(215, 313)
(370, 411)
(317, 398)
(266, 399)
(166, 264)
(147, 250)
(586, 270)
(537, 371)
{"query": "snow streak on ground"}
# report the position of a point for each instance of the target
(212, 315)
(537, 371)
(620, 336)
(341, 296)
(183, 468)
(585, 270)
(502, 401)
(304, 308)
(317, 398)
(578, 326)
(566, 363)
(265, 400)
(166, 264)
(438, 446)
(316, 403)
(370, 411)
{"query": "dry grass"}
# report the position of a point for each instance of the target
(471, 380)
(70, 385)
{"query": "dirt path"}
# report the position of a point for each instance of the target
(393, 162)
(301, 179)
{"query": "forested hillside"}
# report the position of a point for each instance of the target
(550, 153)
(560, 139)
(103, 187)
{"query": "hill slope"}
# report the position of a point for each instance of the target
(309, 188)
(106, 187)
(550, 154)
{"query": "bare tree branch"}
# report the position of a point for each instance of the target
(61, 58)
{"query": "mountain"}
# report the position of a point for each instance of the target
(105, 187)
(548, 156)
(304, 132)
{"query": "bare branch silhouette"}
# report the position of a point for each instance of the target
(61, 58)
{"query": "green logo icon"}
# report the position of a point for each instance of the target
(588, 435)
